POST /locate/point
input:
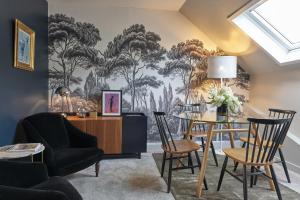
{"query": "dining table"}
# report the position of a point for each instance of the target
(228, 124)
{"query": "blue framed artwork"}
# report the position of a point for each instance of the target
(24, 46)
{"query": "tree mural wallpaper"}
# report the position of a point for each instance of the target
(135, 62)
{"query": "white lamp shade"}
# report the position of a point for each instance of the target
(222, 67)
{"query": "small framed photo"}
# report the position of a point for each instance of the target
(24, 46)
(111, 102)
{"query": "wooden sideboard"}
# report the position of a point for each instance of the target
(108, 131)
(125, 135)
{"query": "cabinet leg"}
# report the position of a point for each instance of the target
(139, 155)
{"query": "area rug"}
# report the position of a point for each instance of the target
(183, 185)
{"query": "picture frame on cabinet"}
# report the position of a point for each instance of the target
(111, 102)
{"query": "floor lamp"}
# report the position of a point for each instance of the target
(222, 67)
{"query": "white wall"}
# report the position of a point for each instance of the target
(271, 85)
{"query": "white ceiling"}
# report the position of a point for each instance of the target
(210, 16)
(173, 5)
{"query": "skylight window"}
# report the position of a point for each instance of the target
(273, 25)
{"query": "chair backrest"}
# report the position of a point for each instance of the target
(50, 126)
(273, 131)
(164, 131)
(196, 107)
(278, 113)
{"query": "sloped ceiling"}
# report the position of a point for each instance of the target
(210, 16)
(173, 5)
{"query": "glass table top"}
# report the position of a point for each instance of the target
(213, 117)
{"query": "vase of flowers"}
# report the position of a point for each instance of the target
(225, 101)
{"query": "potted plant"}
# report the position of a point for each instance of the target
(224, 99)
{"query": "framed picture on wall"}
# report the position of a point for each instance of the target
(111, 102)
(24, 46)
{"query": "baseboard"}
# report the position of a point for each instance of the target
(118, 156)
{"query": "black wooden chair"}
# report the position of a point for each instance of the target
(275, 113)
(199, 128)
(175, 149)
(266, 143)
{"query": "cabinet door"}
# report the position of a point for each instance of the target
(134, 133)
(108, 131)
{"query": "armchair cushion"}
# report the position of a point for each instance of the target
(30, 181)
(22, 174)
(51, 128)
(59, 185)
(15, 193)
(70, 160)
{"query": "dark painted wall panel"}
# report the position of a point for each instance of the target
(22, 93)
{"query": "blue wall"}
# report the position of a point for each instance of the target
(22, 93)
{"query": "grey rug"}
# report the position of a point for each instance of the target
(183, 185)
(122, 179)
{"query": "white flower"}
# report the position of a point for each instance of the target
(224, 95)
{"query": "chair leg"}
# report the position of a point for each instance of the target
(190, 161)
(252, 177)
(97, 168)
(170, 172)
(245, 182)
(256, 177)
(222, 173)
(275, 183)
(284, 166)
(203, 144)
(199, 164)
(163, 165)
(236, 164)
(214, 154)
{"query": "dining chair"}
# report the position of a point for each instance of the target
(175, 149)
(275, 113)
(198, 129)
(272, 132)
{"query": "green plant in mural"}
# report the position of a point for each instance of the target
(131, 52)
(188, 60)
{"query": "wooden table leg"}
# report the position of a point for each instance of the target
(271, 183)
(190, 127)
(231, 136)
(201, 174)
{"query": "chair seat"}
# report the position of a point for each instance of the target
(73, 156)
(252, 140)
(182, 146)
(239, 155)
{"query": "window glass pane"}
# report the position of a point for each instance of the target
(284, 16)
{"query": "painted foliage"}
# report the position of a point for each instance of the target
(134, 62)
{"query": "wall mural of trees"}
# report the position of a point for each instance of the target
(134, 57)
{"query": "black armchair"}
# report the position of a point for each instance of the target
(30, 181)
(67, 149)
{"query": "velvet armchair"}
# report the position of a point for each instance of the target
(67, 149)
(30, 181)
